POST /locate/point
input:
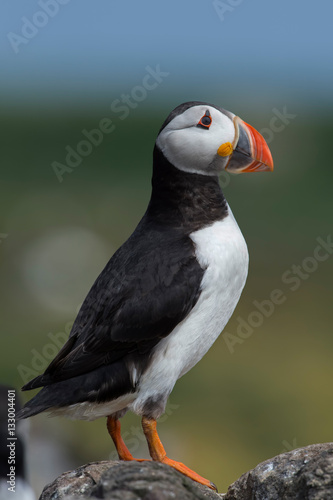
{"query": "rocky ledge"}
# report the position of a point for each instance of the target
(302, 474)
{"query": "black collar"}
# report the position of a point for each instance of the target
(184, 200)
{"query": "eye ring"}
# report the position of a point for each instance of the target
(205, 121)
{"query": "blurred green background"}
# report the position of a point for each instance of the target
(249, 398)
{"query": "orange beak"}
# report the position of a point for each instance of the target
(251, 152)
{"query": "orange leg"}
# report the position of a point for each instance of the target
(158, 453)
(114, 429)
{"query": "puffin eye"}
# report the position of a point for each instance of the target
(205, 120)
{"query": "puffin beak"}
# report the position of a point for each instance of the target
(250, 150)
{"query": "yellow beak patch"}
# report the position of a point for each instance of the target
(225, 149)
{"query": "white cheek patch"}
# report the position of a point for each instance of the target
(191, 148)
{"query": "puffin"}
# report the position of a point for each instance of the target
(167, 293)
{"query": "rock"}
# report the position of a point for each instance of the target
(126, 481)
(302, 474)
(77, 482)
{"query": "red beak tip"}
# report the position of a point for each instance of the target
(262, 155)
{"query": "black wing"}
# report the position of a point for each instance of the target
(149, 285)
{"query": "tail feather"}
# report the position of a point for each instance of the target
(35, 383)
(29, 411)
(98, 386)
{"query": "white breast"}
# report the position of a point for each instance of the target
(221, 250)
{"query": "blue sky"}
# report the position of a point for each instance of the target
(90, 49)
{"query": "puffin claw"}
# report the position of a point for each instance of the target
(213, 486)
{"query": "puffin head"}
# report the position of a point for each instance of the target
(204, 139)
